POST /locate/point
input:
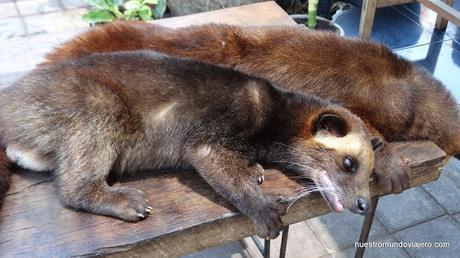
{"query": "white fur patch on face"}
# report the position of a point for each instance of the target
(27, 158)
(351, 144)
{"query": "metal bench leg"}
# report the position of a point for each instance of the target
(367, 224)
(266, 248)
(284, 239)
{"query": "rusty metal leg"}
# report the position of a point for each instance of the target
(284, 239)
(367, 224)
(266, 248)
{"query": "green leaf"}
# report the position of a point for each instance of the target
(98, 16)
(159, 9)
(145, 13)
(101, 4)
(112, 3)
(130, 13)
(132, 5)
(150, 1)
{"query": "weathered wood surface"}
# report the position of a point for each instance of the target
(367, 19)
(187, 214)
(441, 23)
(265, 13)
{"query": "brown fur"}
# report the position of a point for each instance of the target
(398, 100)
(164, 112)
(5, 174)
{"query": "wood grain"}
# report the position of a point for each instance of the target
(367, 19)
(265, 13)
(187, 214)
(441, 23)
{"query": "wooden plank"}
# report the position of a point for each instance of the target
(441, 23)
(187, 214)
(264, 13)
(385, 3)
(367, 19)
(443, 10)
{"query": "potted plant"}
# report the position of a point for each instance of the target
(314, 22)
(105, 11)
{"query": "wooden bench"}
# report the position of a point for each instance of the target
(442, 8)
(187, 215)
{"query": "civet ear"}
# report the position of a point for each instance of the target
(331, 123)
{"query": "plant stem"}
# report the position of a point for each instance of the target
(117, 12)
(312, 7)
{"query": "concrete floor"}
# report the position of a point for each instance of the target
(430, 213)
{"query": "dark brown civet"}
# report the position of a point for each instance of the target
(130, 111)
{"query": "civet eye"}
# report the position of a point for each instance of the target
(349, 164)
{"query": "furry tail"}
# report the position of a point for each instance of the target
(5, 175)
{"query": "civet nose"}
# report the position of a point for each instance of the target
(362, 205)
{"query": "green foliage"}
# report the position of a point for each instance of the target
(111, 10)
(98, 16)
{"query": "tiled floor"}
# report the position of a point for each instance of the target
(430, 213)
(28, 17)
